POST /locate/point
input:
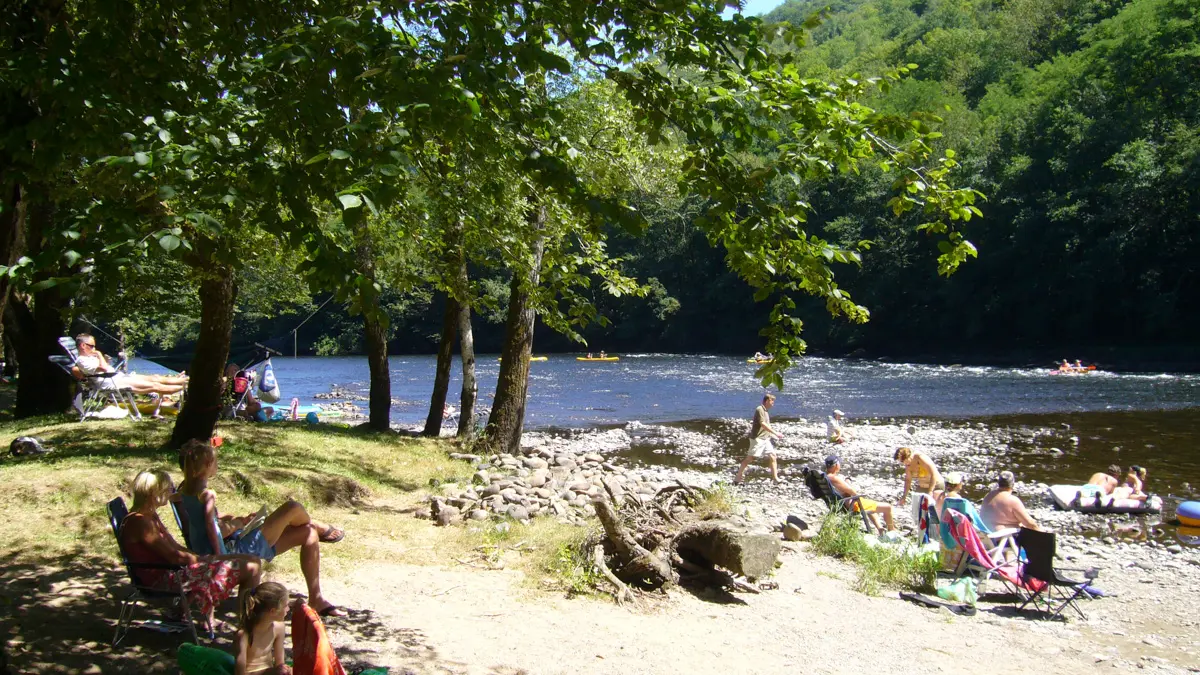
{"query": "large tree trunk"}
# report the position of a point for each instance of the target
(380, 404)
(466, 341)
(42, 388)
(375, 326)
(445, 359)
(205, 392)
(512, 385)
(12, 232)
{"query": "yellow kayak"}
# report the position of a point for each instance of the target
(759, 360)
(597, 358)
(532, 358)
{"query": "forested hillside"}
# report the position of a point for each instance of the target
(1077, 119)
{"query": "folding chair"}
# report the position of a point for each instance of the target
(140, 592)
(94, 392)
(818, 484)
(1039, 550)
(983, 560)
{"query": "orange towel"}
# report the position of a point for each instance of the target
(311, 652)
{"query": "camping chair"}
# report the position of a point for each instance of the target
(92, 394)
(116, 514)
(199, 547)
(1039, 549)
(820, 487)
(986, 561)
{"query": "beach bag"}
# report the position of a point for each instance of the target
(268, 387)
(962, 590)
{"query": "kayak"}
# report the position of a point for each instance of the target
(597, 358)
(759, 360)
(532, 358)
(1074, 371)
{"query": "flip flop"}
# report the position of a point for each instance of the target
(331, 611)
(332, 536)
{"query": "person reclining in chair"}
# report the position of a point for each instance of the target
(833, 469)
(91, 362)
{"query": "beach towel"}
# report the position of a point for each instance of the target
(966, 536)
(311, 652)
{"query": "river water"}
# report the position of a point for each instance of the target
(691, 411)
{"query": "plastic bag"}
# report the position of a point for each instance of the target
(268, 386)
(961, 590)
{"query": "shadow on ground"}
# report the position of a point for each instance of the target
(59, 614)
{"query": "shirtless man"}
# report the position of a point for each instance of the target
(833, 469)
(1002, 509)
(1107, 482)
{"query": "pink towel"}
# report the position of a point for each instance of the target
(967, 537)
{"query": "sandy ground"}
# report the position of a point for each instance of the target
(434, 620)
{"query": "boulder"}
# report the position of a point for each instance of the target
(518, 512)
(479, 514)
(535, 463)
(444, 514)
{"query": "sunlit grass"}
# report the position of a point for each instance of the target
(879, 566)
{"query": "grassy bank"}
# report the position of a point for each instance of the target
(372, 485)
(879, 566)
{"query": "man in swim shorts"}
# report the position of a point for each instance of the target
(833, 471)
(760, 439)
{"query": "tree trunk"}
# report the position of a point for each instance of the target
(12, 233)
(466, 341)
(512, 385)
(205, 392)
(42, 388)
(445, 359)
(380, 404)
(10, 357)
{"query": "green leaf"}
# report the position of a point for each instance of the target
(142, 158)
(350, 201)
(164, 135)
(339, 154)
(169, 242)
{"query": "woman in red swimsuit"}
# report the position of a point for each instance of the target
(207, 580)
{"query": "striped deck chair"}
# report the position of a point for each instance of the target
(981, 561)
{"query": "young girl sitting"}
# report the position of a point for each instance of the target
(260, 640)
(289, 526)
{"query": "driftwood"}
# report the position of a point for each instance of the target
(657, 544)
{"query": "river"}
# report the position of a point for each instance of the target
(690, 411)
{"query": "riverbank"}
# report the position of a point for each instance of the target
(490, 596)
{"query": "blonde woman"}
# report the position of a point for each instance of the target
(207, 580)
(919, 467)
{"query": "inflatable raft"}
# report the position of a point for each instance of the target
(597, 358)
(1088, 499)
(1188, 514)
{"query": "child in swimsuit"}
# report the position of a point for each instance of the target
(260, 640)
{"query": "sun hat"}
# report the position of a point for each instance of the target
(954, 478)
(839, 413)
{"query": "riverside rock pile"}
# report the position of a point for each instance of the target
(552, 476)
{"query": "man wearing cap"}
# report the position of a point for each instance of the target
(833, 471)
(833, 428)
(1002, 509)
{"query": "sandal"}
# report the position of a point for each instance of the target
(332, 611)
(332, 536)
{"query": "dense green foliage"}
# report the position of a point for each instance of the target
(1077, 118)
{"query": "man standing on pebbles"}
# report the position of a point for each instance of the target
(760, 440)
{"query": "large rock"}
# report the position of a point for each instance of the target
(751, 555)
(444, 514)
(517, 512)
(535, 463)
